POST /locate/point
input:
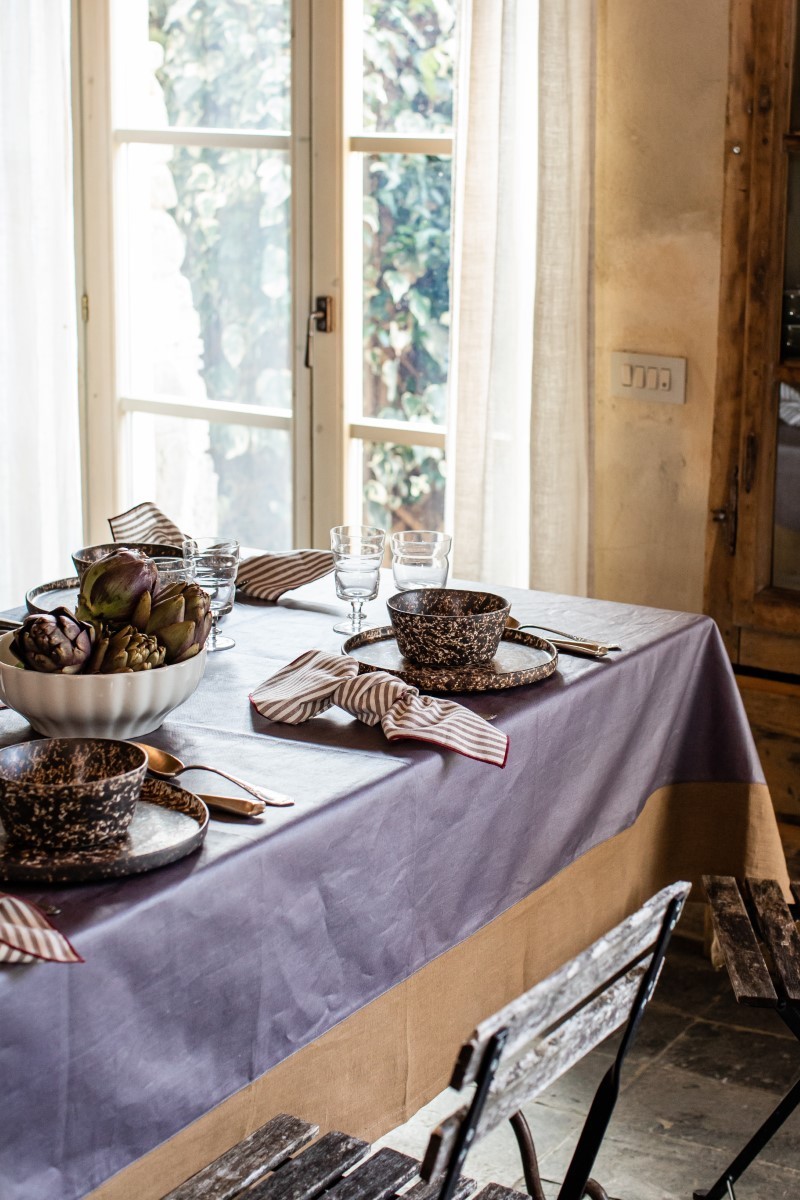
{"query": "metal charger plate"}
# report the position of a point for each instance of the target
(49, 596)
(168, 823)
(521, 658)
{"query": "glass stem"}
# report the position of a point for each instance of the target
(357, 615)
(212, 633)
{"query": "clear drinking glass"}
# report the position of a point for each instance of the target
(420, 558)
(170, 570)
(213, 563)
(357, 555)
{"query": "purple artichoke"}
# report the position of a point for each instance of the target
(55, 642)
(118, 588)
(124, 650)
(180, 620)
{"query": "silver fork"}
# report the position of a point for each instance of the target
(574, 637)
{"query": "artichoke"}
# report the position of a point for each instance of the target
(125, 649)
(118, 588)
(180, 619)
(54, 642)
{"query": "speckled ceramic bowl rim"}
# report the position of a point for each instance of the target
(154, 550)
(44, 788)
(502, 603)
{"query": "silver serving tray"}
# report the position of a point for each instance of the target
(521, 658)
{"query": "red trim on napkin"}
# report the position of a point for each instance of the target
(314, 681)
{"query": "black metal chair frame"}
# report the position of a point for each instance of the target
(722, 1189)
(577, 1182)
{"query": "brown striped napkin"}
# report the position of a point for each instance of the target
(262, 577)
(313, 682)
(145, 523)
(27, 936)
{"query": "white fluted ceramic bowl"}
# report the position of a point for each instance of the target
(102, 706)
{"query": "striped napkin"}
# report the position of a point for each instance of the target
(262, 577)
(313, 682)
(27, 936)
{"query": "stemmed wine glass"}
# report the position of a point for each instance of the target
(212, 563)
(357, 555)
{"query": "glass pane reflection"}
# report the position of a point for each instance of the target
(406, 286)
(403, 486)
(210, 478)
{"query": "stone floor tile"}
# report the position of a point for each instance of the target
(725, 1011)
(658, 1030)
(688, 983)
(756, 1060)
(666, 1103)
(671, 1169)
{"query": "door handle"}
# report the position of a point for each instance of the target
(319, 321)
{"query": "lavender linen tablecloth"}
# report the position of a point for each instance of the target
(201, 976)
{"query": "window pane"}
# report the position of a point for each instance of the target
(205, 274)
(786, 540)
(409, 51)
(406, 286)
(403, 486)
(230, 480)
(218, 63)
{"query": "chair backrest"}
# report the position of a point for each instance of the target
(516, 1054)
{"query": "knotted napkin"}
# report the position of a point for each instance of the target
(27, 936)
(262, 577)
(313, 682)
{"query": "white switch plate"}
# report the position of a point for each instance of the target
(655, 368)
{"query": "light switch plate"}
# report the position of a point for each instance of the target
(667, 376)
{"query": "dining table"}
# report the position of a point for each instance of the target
(327, 959)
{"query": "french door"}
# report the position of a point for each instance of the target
(240, 161)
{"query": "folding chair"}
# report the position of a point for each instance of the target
(509, 1060)
(742, 921)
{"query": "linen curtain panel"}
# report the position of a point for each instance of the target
(40, 501)
(521, 340)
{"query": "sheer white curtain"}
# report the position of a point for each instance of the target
(520, 372)
(40, 502)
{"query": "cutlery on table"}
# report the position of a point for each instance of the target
(166, 766)
(233, 804)
(572, 643)
(9, 623)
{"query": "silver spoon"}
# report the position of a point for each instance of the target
(166, 766)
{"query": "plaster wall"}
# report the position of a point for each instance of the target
(662, 82)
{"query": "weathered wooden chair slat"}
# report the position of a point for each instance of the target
(549, 1002)
(377, 1178)
(779, 932)
(422, 1190)
(252, 1158)
(308, 1175)
(546, 1061)
(748, 973)
(496, 1191)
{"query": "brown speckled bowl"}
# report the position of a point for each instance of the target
(84, 558)
(69, 793)
(447, 627)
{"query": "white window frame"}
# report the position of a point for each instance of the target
(326, 145)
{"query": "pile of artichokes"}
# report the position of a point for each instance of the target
(123, 622)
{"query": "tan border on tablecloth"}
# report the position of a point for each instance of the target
(375, 1069)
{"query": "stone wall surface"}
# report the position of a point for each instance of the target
(662, 82)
